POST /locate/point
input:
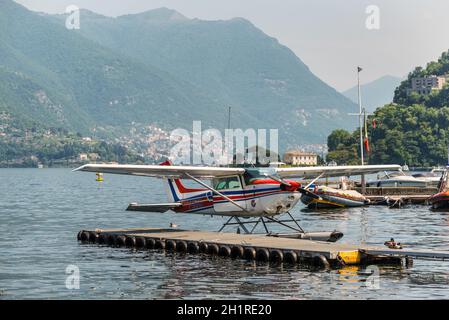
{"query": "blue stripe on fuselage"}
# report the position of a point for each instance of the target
(173, 192)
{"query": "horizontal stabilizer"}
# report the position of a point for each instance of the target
(154, 207)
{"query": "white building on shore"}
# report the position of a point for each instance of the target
(300, 158)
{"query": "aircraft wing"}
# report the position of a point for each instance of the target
(332, 171)
(162, 171)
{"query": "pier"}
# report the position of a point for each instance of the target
(260, 247)
(397, 197)
(398, 201)
(398, 191)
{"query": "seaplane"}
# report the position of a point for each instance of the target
(258, 195)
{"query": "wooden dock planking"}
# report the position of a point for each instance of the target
(307, 248)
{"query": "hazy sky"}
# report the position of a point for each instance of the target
(330, 36)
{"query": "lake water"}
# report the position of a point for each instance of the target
(42, 210)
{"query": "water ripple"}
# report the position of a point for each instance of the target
(41, 211)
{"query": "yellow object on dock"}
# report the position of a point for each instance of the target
(350, 257)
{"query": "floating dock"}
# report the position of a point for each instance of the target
(398, 201)
(397, 197)
(398, 191)
(260, 247)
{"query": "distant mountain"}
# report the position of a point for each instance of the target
(234, 62)
(159, 67)
(61, 78)
(376, 93)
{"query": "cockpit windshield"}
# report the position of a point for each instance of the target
(256, 173)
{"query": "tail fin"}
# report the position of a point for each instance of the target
(175, 189)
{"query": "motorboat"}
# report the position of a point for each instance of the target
(433, 177)
(400, 179)
(441, 199)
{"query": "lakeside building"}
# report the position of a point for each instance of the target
(298, 158)
(425, 85)
(88, 156)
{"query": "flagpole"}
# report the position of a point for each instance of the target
(360, 115)
(229, 118)
(230, 142)
(362, 177)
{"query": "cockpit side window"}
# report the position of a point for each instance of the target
(227, 183)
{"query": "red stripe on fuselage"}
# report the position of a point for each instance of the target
(294, 185)
(178, 182)
(194, 204)
(183, 189)
(264, 181)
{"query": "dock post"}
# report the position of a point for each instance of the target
(362, 182)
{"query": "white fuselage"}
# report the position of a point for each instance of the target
(264, 199)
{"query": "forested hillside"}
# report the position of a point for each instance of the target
(414, 130)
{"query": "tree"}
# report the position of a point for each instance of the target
(412, 130)
(338, 137)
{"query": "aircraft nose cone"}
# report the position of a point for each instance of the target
(294, 185)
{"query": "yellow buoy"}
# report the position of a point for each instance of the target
(99, 177)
